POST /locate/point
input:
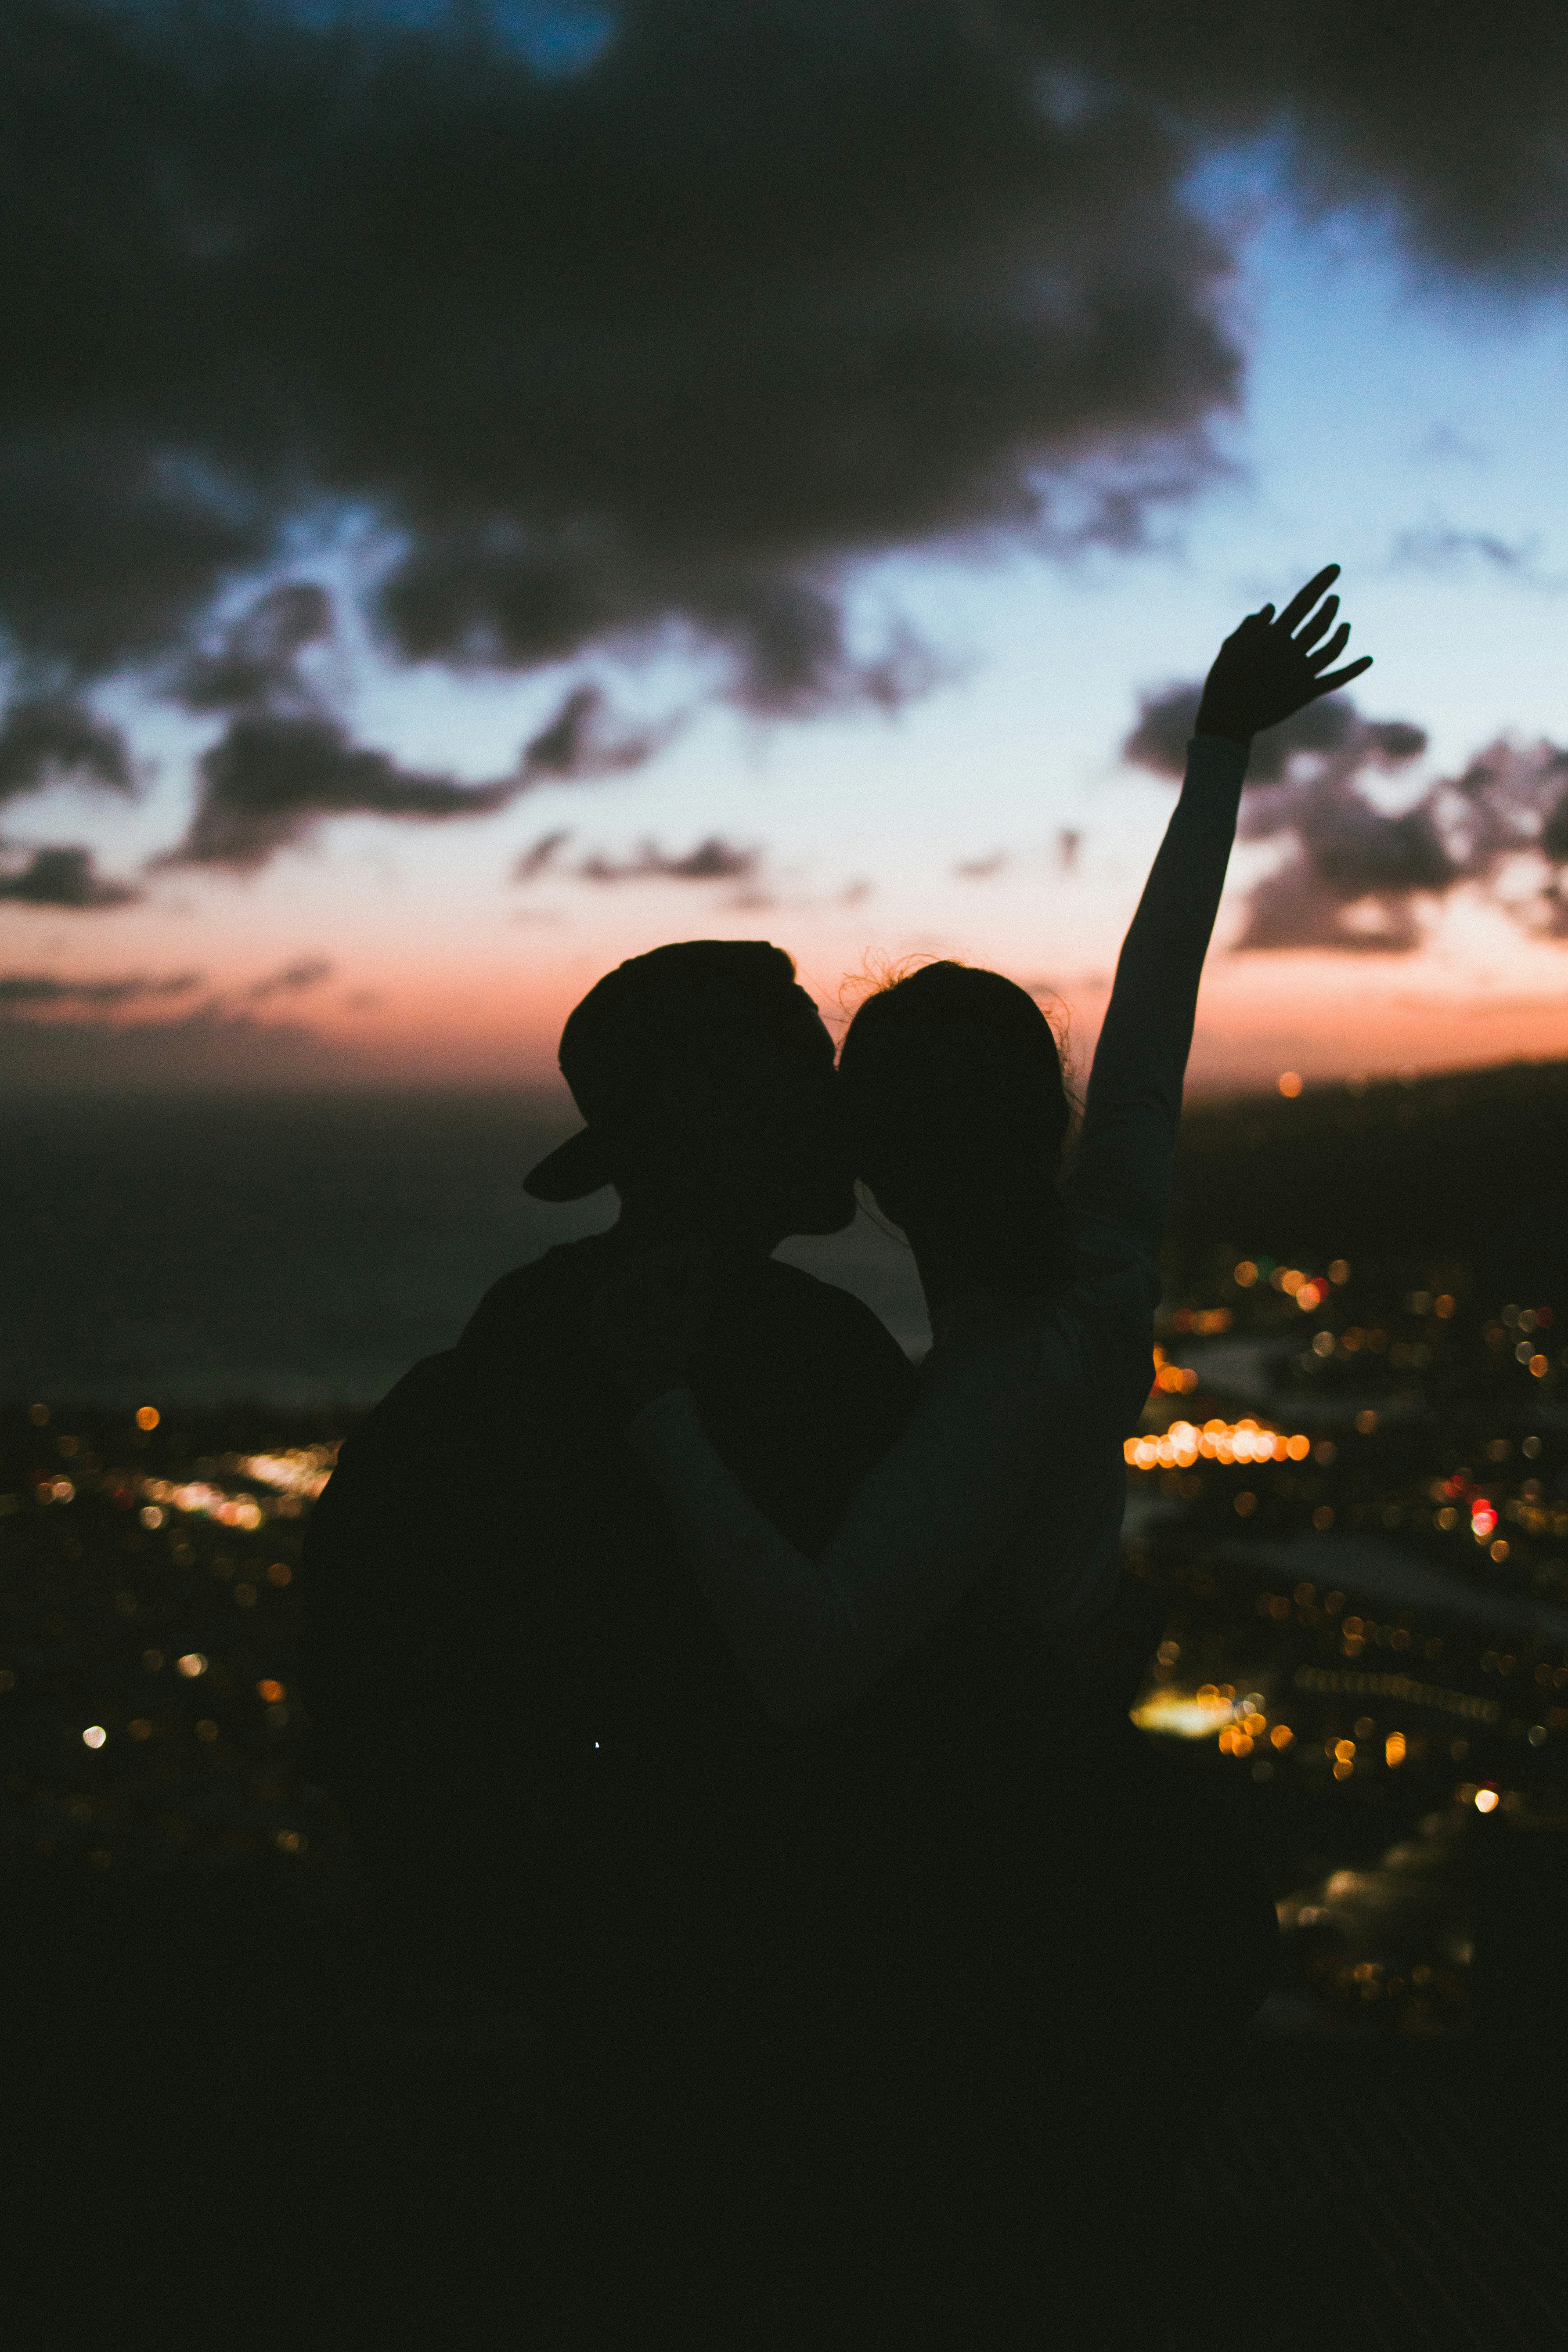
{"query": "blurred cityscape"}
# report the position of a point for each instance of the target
(1366, 1574)
(1351, 1485)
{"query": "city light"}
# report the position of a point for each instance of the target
(1211, 1709)
(295, 1475)
(1311, 1685)
(300, 1470)
(1184, 1443)
(1188, 1717)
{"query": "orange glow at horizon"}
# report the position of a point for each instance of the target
(486, 1016)
(463, 993)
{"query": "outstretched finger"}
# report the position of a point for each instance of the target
(1302, 602)
(1341, 676)
(1308, 635)
(1332, 650)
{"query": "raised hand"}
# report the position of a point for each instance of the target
(1269, 668)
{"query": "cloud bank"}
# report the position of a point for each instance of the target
(64, 875)
(1360, 878)
(24, 989)
(645, 337)
(285, 762)
(712, 860)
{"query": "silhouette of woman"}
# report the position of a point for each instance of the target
(993, 1846)
(1041, 1299)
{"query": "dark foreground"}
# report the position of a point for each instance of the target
(199, 2152)
(247, 2138)
(1353, 1497)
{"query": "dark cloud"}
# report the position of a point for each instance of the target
(664, 343)
(284, 764)
(1352, 881)
(1447, 120)
(292, 980)
(981, 869)
(649, 337)
(24, 990)
(1357, 876)
(539, 860)
(65, 875)
(269, 782)
(1329, 728)
(1166, 723)
(256, 664)
(584, 740)
(1069, 843)
(713, 860)
(49, 738)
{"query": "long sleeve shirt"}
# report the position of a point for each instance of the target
(1014, 1454)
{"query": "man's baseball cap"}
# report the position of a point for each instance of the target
(674, 1008)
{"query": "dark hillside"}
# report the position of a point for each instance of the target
(1470, 1165)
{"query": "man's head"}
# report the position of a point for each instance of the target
(706, 1077)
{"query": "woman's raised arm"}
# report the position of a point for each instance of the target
(1266, 670)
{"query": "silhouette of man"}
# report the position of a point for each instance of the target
(559, 1784)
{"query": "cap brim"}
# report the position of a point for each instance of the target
(574, 1169)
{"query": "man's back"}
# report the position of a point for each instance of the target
(539, 1739)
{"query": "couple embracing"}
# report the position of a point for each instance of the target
(745, 1714)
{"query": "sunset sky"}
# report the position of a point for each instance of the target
(1393, 414)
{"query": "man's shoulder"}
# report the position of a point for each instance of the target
(515, 1381)
(534, 1299)
(533, 1304)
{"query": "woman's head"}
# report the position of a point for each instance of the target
(953, 1088)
